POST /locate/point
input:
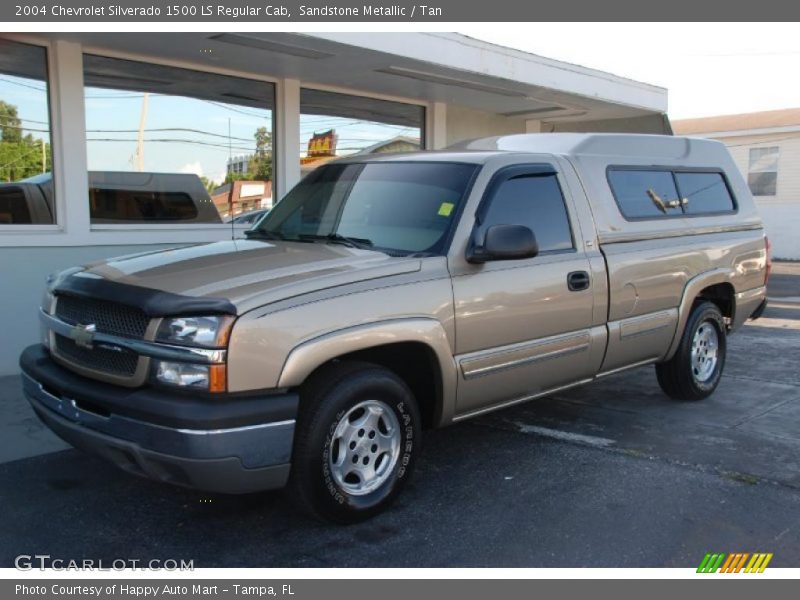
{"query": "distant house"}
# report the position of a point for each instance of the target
(247, 196)
(766, 148)
(400, 143)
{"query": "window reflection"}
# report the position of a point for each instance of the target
(333, 125)
(26, 156)
(169, 145)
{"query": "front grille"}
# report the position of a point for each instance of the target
(121, 363)
(108, 317)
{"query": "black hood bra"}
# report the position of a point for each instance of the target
(154, 303)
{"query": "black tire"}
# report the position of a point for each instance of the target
(679, 377)
(325, 402)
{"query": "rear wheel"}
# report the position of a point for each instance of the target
(694, 372)
(357, 437)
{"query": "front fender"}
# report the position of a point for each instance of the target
(313, 353)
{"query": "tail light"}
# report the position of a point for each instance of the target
(769, 261)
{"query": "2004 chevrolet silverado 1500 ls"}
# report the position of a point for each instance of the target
(389, 293)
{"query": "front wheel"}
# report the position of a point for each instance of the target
(357, 437)
(695, 370)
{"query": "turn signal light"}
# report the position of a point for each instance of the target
(217, 378)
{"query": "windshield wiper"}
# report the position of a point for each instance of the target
(352, 241)
(337, 238)
(263, 234)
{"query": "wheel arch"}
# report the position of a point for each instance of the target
(714, 286)
(416, 349)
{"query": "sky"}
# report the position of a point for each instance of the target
(708, 68)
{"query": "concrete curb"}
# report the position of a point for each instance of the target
(785, 300)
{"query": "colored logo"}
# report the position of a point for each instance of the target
(740, 562)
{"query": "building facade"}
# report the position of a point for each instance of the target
(144, 108)
(242, 196)
(766, 148)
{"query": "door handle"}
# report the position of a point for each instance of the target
(578, 280)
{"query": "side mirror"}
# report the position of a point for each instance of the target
(503, 242)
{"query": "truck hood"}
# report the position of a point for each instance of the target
(250, 273)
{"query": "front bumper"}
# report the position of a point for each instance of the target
(222, 443)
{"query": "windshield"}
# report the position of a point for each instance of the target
(398, 208)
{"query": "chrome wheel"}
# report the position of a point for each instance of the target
(705, 349)
(365, 447)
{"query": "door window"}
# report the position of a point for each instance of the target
(535, 201)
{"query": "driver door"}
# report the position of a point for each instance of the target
(524, 326)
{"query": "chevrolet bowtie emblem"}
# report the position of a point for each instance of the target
(83, 335)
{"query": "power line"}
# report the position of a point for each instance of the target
(25, 85)
(162, 129)
(34, 121)
(22, 128)
(231, 108)
(173, 141)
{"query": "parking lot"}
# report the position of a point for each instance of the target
(610, 474)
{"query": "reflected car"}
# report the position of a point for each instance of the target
(249, 218)
(115, 197)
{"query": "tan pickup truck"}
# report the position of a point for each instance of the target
(388, 294)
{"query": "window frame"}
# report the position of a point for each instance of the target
(672, 171)
(751, 172)
(524, 170)
(57, 226)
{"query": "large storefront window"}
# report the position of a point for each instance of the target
(334, 125)
(173, 146)
(26, 157)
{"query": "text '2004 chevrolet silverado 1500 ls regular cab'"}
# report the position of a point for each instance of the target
(386, 294)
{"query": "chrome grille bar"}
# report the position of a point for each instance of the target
(144, 348)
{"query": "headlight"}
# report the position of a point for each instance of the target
(47, 302)
(211, 378)
(207, 332)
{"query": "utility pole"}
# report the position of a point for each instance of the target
(138, 157)
(233, 183)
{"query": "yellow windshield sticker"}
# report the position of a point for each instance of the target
(446, 208)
